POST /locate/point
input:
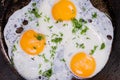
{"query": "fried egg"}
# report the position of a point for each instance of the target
(58, 39)
(83, 60)
(30, 54)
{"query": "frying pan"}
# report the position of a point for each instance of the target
(110, 72)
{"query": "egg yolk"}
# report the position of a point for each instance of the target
(32, 43)
(82, 65)
(64, 10)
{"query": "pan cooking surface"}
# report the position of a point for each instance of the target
(111, 70)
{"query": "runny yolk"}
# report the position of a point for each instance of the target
(32, 43)
(82, 65)
(64, 10)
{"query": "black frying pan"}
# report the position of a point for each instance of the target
(110, 72)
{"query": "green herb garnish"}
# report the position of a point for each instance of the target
(80, 45)
(87, 38)
(43, 56)
(47, 19)
(73, 38)
(40, 65)
(14, 48)
(82, 21)
(35, 12)
(84, 30)
(40, 71)
(53, 50)
(47, 73)
(102, 46)
(33, 58)
(54, 35)
(61, 34)
(63, 60)
(93, 50)
(59, 21)
(33, 4)
(12, 63)
(51, 64)
(45, 59)
(73, 11)
(34, 47)
(50, 27)
(37, 24)
(65, 25)
(94, 15)
(77, 24)
(39, 37)
(54, 47)
(56, 40)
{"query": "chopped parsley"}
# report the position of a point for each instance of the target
(40, 71)
(84, 30)
(50, 27)
(37, 24)
(39, 55)
(93, 50)
(87, 38)
(73, 11)
(94, 15)
(33, 58)
(63, 60)
(80, 45)
(65, 25)
(73, 38)
(39, 37)
(102, 46)
(51, 63)
(82, 21)
(33, 4)
(61, 34)
(14, 48)
(43, 56)
(12, 63)
(54, 47)
(56, 40)
(54, 35)
(46, 19)
(59, 21)
(77, 24)
(45, 59)
(40, 65)
(47, 73)
(34, 47)
(53, 51)
(35, 12)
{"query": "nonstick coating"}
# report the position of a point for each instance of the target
(110, 72)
